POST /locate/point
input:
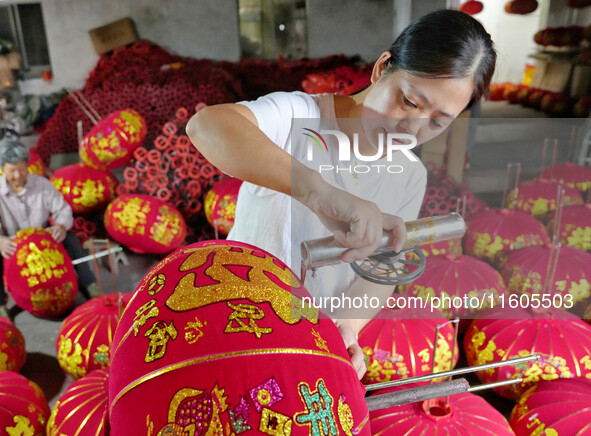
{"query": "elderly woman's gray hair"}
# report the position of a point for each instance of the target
(12, 152)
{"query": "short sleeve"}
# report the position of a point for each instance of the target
(274, 114)
(415, 191)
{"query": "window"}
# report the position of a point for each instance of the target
(23, 25)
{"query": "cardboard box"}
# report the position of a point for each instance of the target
(552, 75)
(110, 36)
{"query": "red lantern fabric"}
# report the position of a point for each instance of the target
(472, 282)
(220, 340)
(562, 340)
(575, 226)
(464, 414)
(220, 204)
(82, 407)
(557, 407)
(84, 340)
(23, 408)
(526, 271)
(569, 174)
(111, 142)
(538, 197)
(492, 234)
(452, 247)
(399, 344)
(40, 275)
(84, 188)
(145, 224)
(12, 346)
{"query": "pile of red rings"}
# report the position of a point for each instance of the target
(169, 167)
(84, 228)
(444, 195)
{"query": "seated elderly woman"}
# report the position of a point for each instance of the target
(28, 200)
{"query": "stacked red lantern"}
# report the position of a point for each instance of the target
(561, 339)
(23, 408)
(84, 340)
(220, 204)
(111, 141)
(392, 352)
(12, 346)
(82, 407)
(569, 174)
(40, 275)
(538, 197)
(220, 339)
(145, 224)
(84, 188)
(575, 226)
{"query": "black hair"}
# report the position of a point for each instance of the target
(445, 44)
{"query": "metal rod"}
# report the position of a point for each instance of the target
(498, 384)
(421, 393)
(434, 351)
(97, 255)
(466, 370)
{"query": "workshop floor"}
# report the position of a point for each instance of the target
(495, 146)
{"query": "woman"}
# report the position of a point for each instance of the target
(438, 67)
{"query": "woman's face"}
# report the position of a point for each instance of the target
(418, 106)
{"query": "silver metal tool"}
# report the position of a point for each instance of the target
(385, 266)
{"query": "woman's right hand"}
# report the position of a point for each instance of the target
(7, 246)
(356, 223)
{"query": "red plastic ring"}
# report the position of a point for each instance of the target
(161, 142)
(130, 173)
(169, 128)
(154, 156)
(140, 153)
(163, 194)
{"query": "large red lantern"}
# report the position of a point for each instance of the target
(83, 407)
(569, 174)
(220, 339)
(575, 226)
(84, 340)
(40, 275)
(12, 346)
(399, 344)
(219, 204)
(23, 408)
(538, 197)
(145, 224)
(561, 339)
(463, 414)
(84, 188)
(526, 271)
(111, 142)
(491, 234)
(452, 278)
(557, 407)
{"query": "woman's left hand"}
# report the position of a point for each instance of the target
(347, 330)
(58, 232)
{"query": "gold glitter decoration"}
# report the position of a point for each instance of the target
(70, 357)
(258, 287)
(159, 334)
(156, 284)
(249, 312)
(275, 423)
(345, 416)
(320, 343)
(167, 226)
(141, 317)
(22, 427)
(130, 216)
(193, 330)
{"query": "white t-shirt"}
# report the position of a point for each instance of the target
(278, 224)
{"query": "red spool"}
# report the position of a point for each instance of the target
(140, 153)
(130, 173)
(161, 142)
(154, 156)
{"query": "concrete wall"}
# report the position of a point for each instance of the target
(196, 28)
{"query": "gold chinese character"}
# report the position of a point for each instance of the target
(159, 335)
(141, 317)
(249, 312)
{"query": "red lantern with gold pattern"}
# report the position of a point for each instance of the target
(221, 338)
(561, 339)
(575, 226)
(82, 407)
(526, 272)
(220, 204)
(463, 414)
(399, 344)
(552, 408)
(40, 275)
(492, 234)
(12, 346)
(23, 408)
(110, 144)
(84, 188)
(473, 282)
(84, 340)
(569, 174)
(538, 197)
(145, 224)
